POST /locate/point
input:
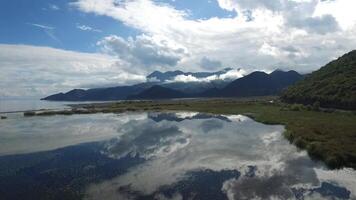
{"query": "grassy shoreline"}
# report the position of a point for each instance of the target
(328, 135)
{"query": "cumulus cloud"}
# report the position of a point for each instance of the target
(210, 64)
(320, 24)
(342, 10)
(296, 14)
(143, 50)
(302, 35)
(39, 71)
(310, 26)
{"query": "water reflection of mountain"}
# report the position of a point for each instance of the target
(178, 117)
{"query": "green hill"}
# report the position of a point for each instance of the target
(333, 86)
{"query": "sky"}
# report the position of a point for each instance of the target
(49, 46)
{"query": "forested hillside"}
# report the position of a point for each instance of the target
(334, 85)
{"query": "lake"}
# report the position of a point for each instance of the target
(20, 105)
(168, 155)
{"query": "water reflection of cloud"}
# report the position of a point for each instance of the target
(27, 135)
(184, 115)
(271, 167)
(210, 125)
(234, 146)
(343, 178)
(279, 185)
(237, 118)
(146, 139)
(174, 148)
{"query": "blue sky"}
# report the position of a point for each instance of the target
(60, 23)
(18, 15)
(49, 46)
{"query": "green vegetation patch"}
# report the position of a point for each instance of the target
(334, 85)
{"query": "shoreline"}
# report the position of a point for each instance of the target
(327, 135)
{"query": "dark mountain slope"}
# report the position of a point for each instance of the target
(158, 92)
(100, 94)
(257, 84)
(334, 85)
(194, 88)
(156, 78)
(122, 92)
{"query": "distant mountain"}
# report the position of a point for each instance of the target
(159, 92)
(195, 87)
(334, 85)
(158, 76)
(100, 94)
(122, 92)
(256, 84)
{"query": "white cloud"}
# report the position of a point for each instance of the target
(209, 64)
(39, 71)
(296, 13)
(230, 74)
(185, 78)
(143, 50)
(264, 35)
(88, 28)
(305, 25)
(342, 10)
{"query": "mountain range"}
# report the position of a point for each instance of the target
(164, 79)
(161, 86)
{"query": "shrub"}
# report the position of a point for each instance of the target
(296, 107)
(315, 150)
(316, 106)
(308, 107)
(29, 113)
(300, 143)
(335, 161)
(289, 135)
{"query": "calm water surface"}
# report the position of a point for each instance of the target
(18, 105)
(14, 105)
(159, 156)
